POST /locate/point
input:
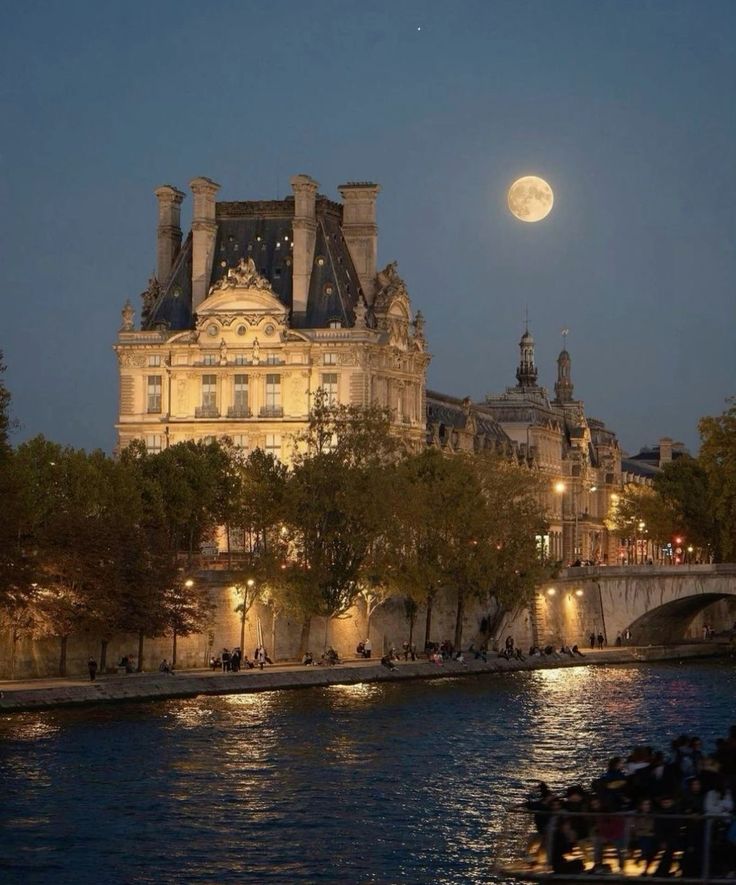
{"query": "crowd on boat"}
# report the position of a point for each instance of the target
(650, 813)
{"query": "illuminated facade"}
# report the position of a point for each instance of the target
(578, 458)
(263, 303)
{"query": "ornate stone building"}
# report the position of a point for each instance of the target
(263, 303)
(577, 457)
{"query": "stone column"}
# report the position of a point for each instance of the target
(361, 232)
(305, 235)
(168, 239)
(204, 230)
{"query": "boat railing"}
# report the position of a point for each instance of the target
(529, 854)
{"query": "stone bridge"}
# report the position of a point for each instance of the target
(658, 604)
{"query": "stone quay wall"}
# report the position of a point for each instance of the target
(659, 605)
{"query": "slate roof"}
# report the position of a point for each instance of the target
(263, 230)
(451, 413)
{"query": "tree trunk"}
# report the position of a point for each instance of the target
(62, 656)
(428, 627)
(273, 635)
(459, 618)
(13, 651)
(229, 551)
(242, 629)
(140, 652)
(412, 618)
(327, 628)
(173, 651)
(103, 655)
(304, 639)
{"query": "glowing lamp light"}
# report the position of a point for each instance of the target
(189, 583)
(250, 582)
(551, 591)
(578, 592)
(560, 487)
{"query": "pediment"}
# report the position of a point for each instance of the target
(241, 299)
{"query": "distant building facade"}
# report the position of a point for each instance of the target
(265, 302)
(260, 305)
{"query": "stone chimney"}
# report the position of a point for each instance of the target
(305, 235)
(665, 451)
(360, 231)
(204, 230)
(168, 235)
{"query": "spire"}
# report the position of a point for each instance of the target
(526, 374)
(563, 385)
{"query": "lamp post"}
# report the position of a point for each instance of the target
(246, 587)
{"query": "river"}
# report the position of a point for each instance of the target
(387, 783)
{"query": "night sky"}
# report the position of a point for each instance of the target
(626, 108)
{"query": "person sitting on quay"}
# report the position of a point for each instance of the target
(164, 667)
(360, 649)
(329, 657)
(92, 667)
(576, 652)
(215, 663)
(308, 659)
(246, 663)
(388, 661)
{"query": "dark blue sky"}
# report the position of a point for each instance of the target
(626, 108)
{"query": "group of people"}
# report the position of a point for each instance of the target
(651, 808)
(364, 649)
(597, 640)
(236, 660)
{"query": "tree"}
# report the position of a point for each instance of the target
(16, 571)
(338, 502)
(187, 609)
(718, 460)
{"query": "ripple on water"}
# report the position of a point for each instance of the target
(362, 783)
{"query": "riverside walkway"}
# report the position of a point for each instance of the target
(45, 693)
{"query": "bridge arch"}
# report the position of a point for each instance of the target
(669, 622)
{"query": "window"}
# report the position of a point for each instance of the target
(335, 324)
(330, 359)
(273, 391)
(272, 359)
(154, 442)
(240, 359)
(207, 440)
(153, 390)
(240, 441)
(209, 359)
(240, 398)
(154, 359)
(273, 445)
(209, 391)
(329, 385)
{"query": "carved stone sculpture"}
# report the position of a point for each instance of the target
(243, 275)
(128, 315)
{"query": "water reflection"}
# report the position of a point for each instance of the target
(363, 783)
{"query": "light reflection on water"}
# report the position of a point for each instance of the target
(368, 783)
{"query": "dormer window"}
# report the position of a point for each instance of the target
(335, 324)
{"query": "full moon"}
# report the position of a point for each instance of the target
(530, 198)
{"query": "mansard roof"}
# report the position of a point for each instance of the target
(263, 230)
(453, 414)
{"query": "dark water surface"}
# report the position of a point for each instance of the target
(370, 783)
